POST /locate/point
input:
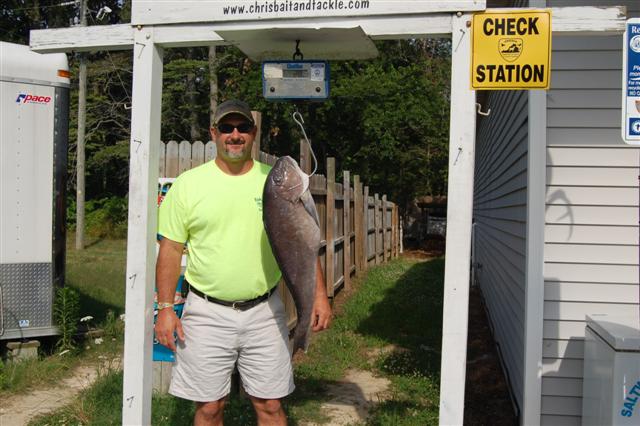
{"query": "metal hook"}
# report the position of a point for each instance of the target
(297, 117)
(479, 110)
(298, 53)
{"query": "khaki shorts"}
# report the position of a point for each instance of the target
(216, 337)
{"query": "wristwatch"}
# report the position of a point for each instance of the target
(164, 305)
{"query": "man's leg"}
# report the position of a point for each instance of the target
(209, 413)
(269, 412)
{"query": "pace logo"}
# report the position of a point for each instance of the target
(27, 98)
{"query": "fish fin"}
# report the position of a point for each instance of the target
(310, 206)
(305, 182)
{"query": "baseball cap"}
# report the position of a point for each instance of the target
(232, 106)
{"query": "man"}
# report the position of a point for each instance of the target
(231, 314)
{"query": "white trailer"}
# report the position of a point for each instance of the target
(34, 116)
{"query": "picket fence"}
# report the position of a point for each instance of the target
(359, 230)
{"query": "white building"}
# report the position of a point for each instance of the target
(556, 218)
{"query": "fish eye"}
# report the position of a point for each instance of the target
(278, 177)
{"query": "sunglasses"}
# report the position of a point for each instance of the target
(228, 128)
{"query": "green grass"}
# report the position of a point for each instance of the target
(97, 273)
(397, 306)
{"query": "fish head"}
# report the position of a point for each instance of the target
(288, 180)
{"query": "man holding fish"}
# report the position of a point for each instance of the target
(232, 315)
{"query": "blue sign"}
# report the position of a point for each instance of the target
(160, 352)
(631, 70)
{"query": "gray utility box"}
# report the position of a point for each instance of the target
(34, 120)
(611, 385)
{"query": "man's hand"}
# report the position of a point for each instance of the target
(167, 274)
(321, 313)
(167, 325)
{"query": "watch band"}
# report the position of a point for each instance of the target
(164, 305)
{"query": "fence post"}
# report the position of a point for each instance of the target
(305, 156)
(255, 151)
(330, 229)
(392, 231)
(161, 155)
(376, 227)
(394, 227)
(357, 222)
(346, 220)
(365, 253)
(401, 227)
(197, 154)
(184, 160)
(171, 160)
(385, 226)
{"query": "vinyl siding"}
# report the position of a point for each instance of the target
(591, 231)
(500, 198)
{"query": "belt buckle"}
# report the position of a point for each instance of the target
(235, 305)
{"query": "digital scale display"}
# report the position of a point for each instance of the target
(295, 80)
(295, 73)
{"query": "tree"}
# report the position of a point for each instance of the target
(386, 119)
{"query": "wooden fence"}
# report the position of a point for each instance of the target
(358, 229)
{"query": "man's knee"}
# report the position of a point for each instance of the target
(267, 406)
(210, 409)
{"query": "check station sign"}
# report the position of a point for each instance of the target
(511, 50)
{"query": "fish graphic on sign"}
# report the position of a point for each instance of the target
(510, 48)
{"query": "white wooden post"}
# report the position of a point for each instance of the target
(459, 213)
(141, 250)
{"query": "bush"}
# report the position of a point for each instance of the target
(104, 218)
(107, 218)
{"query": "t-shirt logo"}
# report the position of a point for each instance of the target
(258, 201)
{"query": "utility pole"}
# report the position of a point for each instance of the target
(80, 157)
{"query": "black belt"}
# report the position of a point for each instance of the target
(241, 305)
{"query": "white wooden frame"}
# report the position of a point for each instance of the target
(147, 43)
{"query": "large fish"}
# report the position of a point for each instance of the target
(292, 225)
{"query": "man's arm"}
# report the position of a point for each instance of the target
(167, 275)
(321, 315)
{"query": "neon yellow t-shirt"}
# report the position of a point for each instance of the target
(220, 216)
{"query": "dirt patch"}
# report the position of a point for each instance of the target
(19, 410)
(487, 400)
(353, 397)
(432, 247)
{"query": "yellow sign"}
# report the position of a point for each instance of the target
(511, 50)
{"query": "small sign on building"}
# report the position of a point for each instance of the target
(631, 83)
(511, 49)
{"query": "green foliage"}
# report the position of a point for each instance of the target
(107, 217)
(113, 327)
(4, 380)
(185, 95)
(104, 218)
(101, 404)
(386, 120)
(18, 17)
(18, 377)
(66, 313)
